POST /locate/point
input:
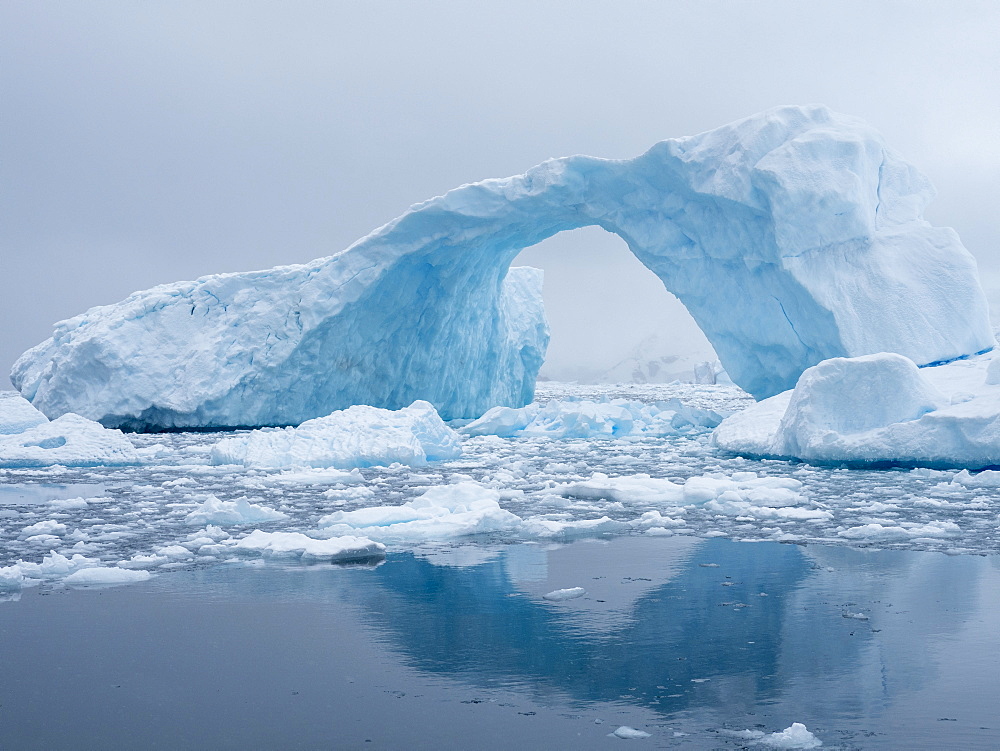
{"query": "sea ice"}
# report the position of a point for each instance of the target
(103, 576)
(440, 512)
(792, 236)
(240, 511)
(589, 419)
(296, 544)
(571, 593)
(627, 733)
(877, 408)
(69, 440)
(360, 436)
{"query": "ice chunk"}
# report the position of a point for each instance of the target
(627, 733)
(103, 576)
(240, 511)
(792, 236)
(570, 593)
(360, 436)
(345, 548)
(794, 736)
(589, 419)
(70, 440)
(17, 414)
(442, 511)
(878, 408)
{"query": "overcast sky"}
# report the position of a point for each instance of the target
(146, 142)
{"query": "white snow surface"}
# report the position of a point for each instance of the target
(792, 236)
(878, 408)
(69, 440)
(795, 736)
(359, 436)
(296, 544)
(225, 513)
(590, 419)
(17, 414)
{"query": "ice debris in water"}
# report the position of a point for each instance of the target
(627, 733)
(298, 545)
(440, 512)
(103, 576)
(359, 436)
(240, 511)
(878, 408)
(742, 494)
(570, 593)
(590, 419)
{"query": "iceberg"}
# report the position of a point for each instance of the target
(877, 409)
(792, 237)
(359, 436)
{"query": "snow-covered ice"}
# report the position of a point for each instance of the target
(569, 593)
(359, 436)
(792, 236)
(296, 544)
(69, 440)
(240, 511)
(877, 408)
(589, 419)
(795, 736)
(17, 414)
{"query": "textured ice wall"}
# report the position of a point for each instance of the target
(791, 236)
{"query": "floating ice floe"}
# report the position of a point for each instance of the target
(796, 736)
(878, 409)
(299, 545)
(739, 494)
(627, 733)
(360, 436)
(589, 419)
(441, 512)
(559, 595)
(71, 441)
(240, 511)
(105, 576)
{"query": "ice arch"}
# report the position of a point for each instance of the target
(791, 236)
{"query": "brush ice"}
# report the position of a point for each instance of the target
(791, 236)
(360, 436)
(17, 414)
(240, 511)
(628, 733)
(71, 441)
(877, 408)
(589, 419)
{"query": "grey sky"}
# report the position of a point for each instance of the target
(148, 142)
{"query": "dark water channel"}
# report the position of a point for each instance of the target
(455, 648)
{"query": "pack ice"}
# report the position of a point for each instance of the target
(792, 236)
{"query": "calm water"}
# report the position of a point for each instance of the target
(454, 647)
